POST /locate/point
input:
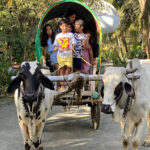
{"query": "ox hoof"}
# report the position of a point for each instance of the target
(40, 148)
(146, 144)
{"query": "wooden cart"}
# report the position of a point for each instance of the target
(82, 96)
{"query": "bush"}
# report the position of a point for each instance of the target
(114, 56)
(5, 75)
(136, 52)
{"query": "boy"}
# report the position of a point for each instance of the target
(80, 45)
(64, 43)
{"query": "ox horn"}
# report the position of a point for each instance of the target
(128, 71)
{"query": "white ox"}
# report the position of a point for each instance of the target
(34, 96)
(117, 90)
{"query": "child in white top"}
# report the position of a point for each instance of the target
(64, 43)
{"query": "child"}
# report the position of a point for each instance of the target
(47, 43)
(87, 55)
(80, 37)
(64, 43)
(69, 28)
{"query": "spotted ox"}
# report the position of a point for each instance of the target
(33, 98)
(122, 97)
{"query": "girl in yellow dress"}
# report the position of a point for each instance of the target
(64, 43)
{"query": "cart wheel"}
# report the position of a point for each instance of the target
(95, 115)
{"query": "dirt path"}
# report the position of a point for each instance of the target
(71, 130)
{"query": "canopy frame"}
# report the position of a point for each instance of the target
(37, 38)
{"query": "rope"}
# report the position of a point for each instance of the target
(82, 58)
(129, 99)
(77, 55)
(66, 79)
(56, 70)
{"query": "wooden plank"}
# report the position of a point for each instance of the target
(93, 82)
(83, 93)
(89, 77)
(74, 102)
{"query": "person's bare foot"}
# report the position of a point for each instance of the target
(61, 88)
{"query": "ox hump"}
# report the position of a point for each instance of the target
(115, 70)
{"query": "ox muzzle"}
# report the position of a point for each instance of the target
(106, 109)
(29, 97)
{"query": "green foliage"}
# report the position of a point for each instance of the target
(19, 20)
(128, 41)
(136, 52)
(5, 74)
(113, 55)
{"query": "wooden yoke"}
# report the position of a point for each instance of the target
(77, 82)
(77, 85)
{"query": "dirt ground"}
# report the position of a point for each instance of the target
(64, 130)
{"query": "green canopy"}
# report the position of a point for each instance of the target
(58, 10)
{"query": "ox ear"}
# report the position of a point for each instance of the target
(46, 82)
(15, 84)
(129, 90)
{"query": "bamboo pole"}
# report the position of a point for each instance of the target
(72, 76)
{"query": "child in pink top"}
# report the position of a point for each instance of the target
(87, 55)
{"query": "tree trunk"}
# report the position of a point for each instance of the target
(146, 31)
(148, 36)
(142, 5)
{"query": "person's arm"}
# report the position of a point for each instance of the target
(44, 54)
(45, 50)
(73, 46)
(55, 45)
(91, 54)
(85, 44)
(73, 41)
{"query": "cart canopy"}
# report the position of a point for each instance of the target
(59, 10)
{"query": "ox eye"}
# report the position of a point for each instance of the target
(37, 75)
(118, 89)
(21, 75)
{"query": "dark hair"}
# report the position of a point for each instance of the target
(45, 35)
(69, 13)
(64, 21)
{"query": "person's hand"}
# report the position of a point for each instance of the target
(55, 49)
(44, 61)
(92, 62)
(84, 42)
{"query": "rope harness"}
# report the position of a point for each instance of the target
(129, 100)
(32, 109)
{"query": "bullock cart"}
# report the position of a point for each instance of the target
(79, 94)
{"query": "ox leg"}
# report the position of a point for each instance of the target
(37, 141)
(125, 143)
(25, 134)
(136, 139)
(147, 139)
(127, 132)
(122, 123)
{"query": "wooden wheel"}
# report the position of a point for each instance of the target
(95, 115)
